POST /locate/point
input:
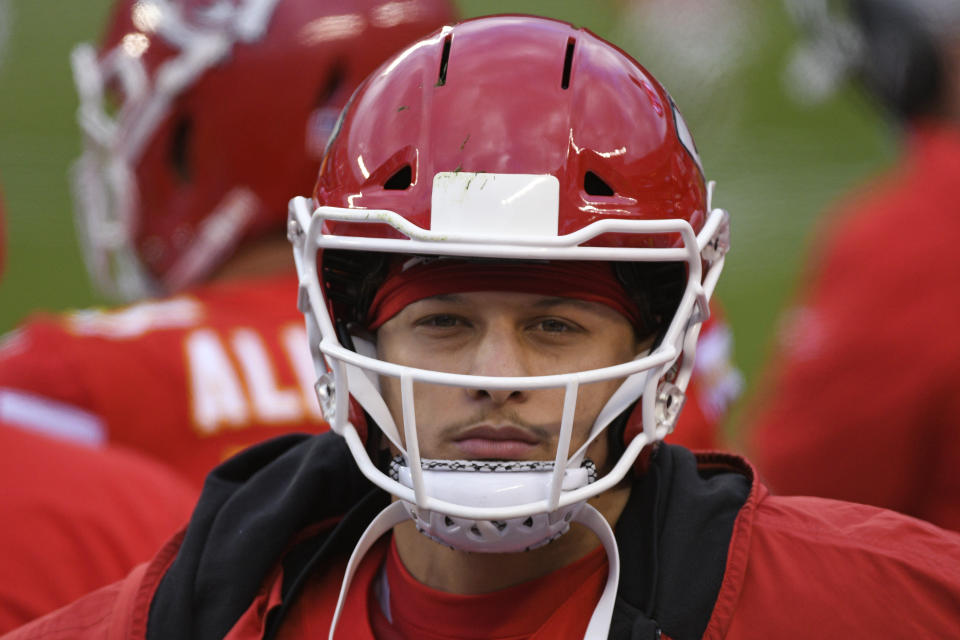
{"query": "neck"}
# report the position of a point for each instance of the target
(452, 571)
(263, 256)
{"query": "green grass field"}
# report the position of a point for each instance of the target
(777, 164)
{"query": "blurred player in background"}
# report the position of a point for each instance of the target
(97, 512)
(75, 519)
(862, 401)
(189, 111)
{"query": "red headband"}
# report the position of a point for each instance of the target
(589, 281)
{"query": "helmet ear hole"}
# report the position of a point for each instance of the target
(180, 149)
(594, 185)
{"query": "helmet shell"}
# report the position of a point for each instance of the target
(254, 122)
(558, 100)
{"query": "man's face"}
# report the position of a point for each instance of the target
(503, 334)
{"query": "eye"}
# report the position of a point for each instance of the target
(440, 321)
(556, 325)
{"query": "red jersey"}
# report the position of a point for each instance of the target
(864, 399)
(75, 519)
(386, 603)
(189, 380)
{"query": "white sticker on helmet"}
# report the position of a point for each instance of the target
(487, 204)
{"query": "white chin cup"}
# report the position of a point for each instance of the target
(492, 484)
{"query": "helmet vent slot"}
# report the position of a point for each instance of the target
(180, 149)
(568, 63)
(595, 186)
(332, 84)
(444, 59)
(400, 180)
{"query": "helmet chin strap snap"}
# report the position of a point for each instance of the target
(490, 483)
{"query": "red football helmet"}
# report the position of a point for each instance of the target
(517, 139)
(200, 117)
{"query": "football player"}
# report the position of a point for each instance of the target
(863, 398)
(504, 267)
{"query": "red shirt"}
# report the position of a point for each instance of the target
(863, 402)
(75, 519)
(558, 605)
(189, 380)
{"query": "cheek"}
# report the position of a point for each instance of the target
(590, 402)
(432, 404)
(390, 391)
(390, 386)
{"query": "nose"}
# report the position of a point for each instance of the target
(499, 353)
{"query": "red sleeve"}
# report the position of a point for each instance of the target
(85, 619)
(76, 519)
(42, 387)
(861, 403)
(822, 568)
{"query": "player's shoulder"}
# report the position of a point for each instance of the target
(844, 537)
(800, 566)
(916, 192)
(212, 304)
(850, 570)
(131, 322)
(57, 331)
(52, 359)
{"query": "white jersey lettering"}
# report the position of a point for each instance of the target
(271, 403)
(216, 392)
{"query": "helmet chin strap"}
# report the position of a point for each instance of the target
(586, 515)
(493, 483)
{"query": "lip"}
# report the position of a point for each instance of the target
(486, 442)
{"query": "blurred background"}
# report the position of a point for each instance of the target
(778, 164)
